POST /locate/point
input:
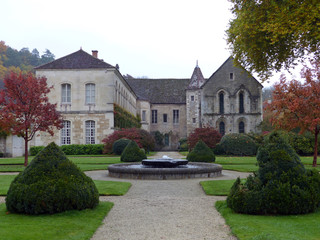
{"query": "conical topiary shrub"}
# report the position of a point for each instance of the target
(132, 153)
(201, 153)
(51, 184)
(281, 185)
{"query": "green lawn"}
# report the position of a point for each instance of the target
(75, 225)
(105, 188)
(253, 227)
(217, 187)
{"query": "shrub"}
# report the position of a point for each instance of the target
(132, 153)
(119, 145)
(140, 136)
(183, 145)
(209, 136)
(281, 186)
(82, 149)
(218, 150)
(158, 137)
(201, 153)
(51, 184)
(35, 150)
(238, 144)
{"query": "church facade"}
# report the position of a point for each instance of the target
(86, 88)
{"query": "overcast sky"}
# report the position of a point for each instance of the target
(155, 39)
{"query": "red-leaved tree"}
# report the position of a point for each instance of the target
(296, 104)
(141, 137)
(25, 109)
(208, 135)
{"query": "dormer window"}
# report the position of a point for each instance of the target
(231, 76)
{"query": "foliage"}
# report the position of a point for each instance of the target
(26, 109)
(75, 225)
(238, 144)
(73, 149)
(158, 137)
(82, 149)
(124, 119)
(132, 153)
(268, 35)
(250, 227)
(119, 145)
(140, 136)
(183, 145)
(297, 105)
(23, 60)
(201, 153)
(51, 184)
(208, 135)
(281, 185)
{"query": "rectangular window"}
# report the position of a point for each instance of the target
(90, 132)
(154, 116)
(165, 118)
(66, 93)
(175, 116)
(194, 120)
(192, 98)
(144, 112)
(90, 93)
(231, 76)
(66, 133)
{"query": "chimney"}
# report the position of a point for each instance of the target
(95, 53)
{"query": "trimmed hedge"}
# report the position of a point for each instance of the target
(51, 184)
(201, 153)
(238, 144)
(132, 153)
(281, 185)
(73, 149)
(119, 145)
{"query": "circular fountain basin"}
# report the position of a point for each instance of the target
(139, 171)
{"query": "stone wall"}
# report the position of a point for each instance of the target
(175, 131)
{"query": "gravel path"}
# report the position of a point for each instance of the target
(164, 209)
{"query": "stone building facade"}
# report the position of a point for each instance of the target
(85, 89)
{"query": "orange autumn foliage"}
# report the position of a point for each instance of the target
(296, 104)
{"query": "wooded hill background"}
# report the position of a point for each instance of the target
(23, 60)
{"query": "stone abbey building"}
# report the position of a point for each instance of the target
(86, 88)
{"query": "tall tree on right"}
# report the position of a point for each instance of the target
(267, 36)
(296, 104)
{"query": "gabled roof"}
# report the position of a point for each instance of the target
(197, 79)
(77, 60)
(160, 91)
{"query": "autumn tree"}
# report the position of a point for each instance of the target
(25, 109)
(270, 35)
(296, 104)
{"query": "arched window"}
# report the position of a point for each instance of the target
(221, 103)
(241, 127)
(90, 132)
(90, 93)
(66, 133)
(66, 93)
(222, 129)
(241, 106)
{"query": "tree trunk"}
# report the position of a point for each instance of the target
(26, 149)
(315, 154)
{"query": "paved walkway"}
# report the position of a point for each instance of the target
(164, 209)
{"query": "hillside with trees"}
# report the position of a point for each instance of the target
(22, 60)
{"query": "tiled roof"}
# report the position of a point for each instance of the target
(197, 79)
(160, 90)
(76, 60)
